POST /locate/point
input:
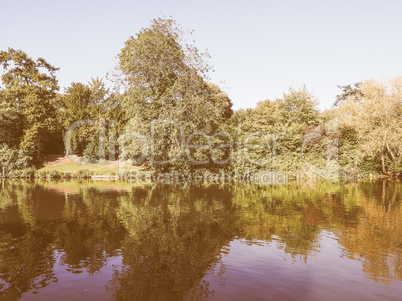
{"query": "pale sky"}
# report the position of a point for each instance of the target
(258, 48)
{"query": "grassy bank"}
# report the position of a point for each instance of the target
(60, 167)
(94, 169)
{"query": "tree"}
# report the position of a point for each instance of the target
(376, 116)
(271, 135)
(30, 88)
(166, 95)
(12, 159)
(11, 125)
(95, 102)
(347, 91)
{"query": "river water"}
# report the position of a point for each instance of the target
(98, 240)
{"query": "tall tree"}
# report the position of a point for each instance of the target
(166, 94)
(376, 115)
(30, 88)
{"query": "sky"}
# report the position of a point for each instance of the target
(259, 49)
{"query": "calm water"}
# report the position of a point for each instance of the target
(116, 240)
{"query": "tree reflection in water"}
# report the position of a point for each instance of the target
(170, 236)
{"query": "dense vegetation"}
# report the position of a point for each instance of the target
(163, 114)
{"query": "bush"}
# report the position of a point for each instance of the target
(28, 173)
(15, 174)
(12, 161)
(54, 174)
(66, 175)
(43, 174)
(84, 174)
(124, 175)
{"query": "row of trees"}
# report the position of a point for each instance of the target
(34, 116)
(165, 114)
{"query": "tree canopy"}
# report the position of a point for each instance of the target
(375, 113)
(30, 88)
(166, 94)
(163, 113)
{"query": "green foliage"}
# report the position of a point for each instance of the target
(54, 174)
(84, 174)
(348, 152)
(270, 137)
(43, 174)
(29, 173)
(298, 107)
(30, 89)
(97, 104)
(66, 175)
(12, 160)
(375, 115)
(169, 117)
(167, 98)
(11, 124)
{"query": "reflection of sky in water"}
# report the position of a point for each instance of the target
(264, 271)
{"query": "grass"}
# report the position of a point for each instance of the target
(74, 187)
(95, 169)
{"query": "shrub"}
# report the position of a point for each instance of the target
(84, 174)
(12, 160)
(28, 173)
(43, 174)
(66, 175)
(54, 174)
(15, 174)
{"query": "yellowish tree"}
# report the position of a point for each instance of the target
(376, 115)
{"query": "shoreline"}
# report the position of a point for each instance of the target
(61, 167)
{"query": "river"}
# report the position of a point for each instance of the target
(99, 240)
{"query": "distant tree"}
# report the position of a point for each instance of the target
(74, 104)
(92, 101)
(298, 107)
(255, 132)
(30, 89)
(221, 100)
(271, 135)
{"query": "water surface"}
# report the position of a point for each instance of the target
(124, 241)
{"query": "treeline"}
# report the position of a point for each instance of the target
(163, 113)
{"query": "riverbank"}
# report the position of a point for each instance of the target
(67, 167)
(73, 167)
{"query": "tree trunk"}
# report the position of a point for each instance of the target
(391, 153)
(384, 169)
(39, 147)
